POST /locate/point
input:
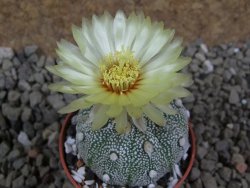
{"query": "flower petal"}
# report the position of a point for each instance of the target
(79, 38)
(132, 27)
(133, 111)
(77, 104)
(142, 37)
(73, 58)
(119, 29)
(140, 124)
(71, 75)
(160, 38)
(123, 100)
(170, 95)
(137, 99)
(166, 109)
(181, 62)
(101, 34)
(141, 96)
(167, 56)
(104, 97)
(62, 87)
(100, 117)
(92, 51)
(122, 124)
(66, 87)
(154, 114)
(114, 110)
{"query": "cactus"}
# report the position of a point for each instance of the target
(127, 71)
(135, 158)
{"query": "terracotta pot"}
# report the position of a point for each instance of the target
(64, 128)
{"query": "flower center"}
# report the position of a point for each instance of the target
(120, 71)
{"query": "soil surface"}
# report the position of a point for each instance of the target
(45, 22)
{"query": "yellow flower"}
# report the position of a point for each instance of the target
(124, 68)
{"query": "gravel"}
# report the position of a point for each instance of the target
(220, 114)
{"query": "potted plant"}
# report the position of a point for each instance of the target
(131, 127)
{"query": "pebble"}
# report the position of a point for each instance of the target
(43, 171)
(13, 155)
(6, 64)
(204, 48)
(201, 152)
(200, 56)
(4, 148)
(77, 178)
(81, 170)
(17, 164)
(208, 66)
(39, 160)
(9, 179)
(13, 96)
(234, 184)
(12, 113)
(35, 98)
(49, 61)
(2, 83)
(25, 98)
(234, 96)
(18, 182)
(24, 85)
(23, 139)
(241, 167)
(6, 53)
(217, 61)
(54, 137)
(53, 163)
(41, 61)
(31, 181)
(89, 182)
(208, 180)
(39, 78)
(24, 72)
(28, 50)
(9, 83)
(237, 158)
(221, 145)
(208, 165)
(195, 174)
(3, 123)
(197, 184)
(225, 173)
(230, 125)
(68, 145)
(25, 170)
(151, 185)
(56, 101)
(29, 129)
(26, 114)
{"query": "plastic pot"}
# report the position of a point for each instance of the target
(67, 123)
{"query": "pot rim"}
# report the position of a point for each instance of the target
(77, 185)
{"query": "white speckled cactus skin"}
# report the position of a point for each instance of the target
(135, 158)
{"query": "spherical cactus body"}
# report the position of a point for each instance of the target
(135, 158)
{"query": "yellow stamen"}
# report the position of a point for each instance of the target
(120, 71)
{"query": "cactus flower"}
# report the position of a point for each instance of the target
(124, 68)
